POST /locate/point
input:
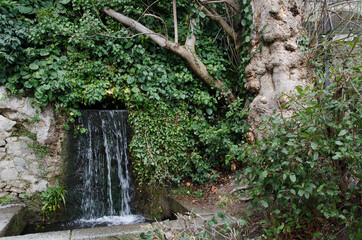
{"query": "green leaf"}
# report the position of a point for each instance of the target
(33, 66)
(342, 133)
(128, 44)
(64, 1)
(25, 10)
(44, 52)
(130, 80)
(220, 215)
(313, 145)
(293, 178)
(264, 203)
(202, 14)
(242, 222)
(209, 111)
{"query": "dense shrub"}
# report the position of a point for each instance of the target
(308, 169)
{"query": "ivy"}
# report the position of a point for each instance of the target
(69, 54)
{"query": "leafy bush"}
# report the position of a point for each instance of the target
(308, 169)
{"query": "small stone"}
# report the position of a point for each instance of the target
(9, 174)
(2, 143)
(30, 178)
(19, 161)
(42, 185)
(4, 134)
(6, 124)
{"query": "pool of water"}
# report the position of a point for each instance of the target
(84, 223)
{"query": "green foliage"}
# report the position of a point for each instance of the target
(53, 199)
(69, 54)
(306, 170)
(6, 200)
(40, 149)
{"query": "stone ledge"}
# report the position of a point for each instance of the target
(12, 219)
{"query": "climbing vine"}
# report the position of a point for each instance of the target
(71, 55)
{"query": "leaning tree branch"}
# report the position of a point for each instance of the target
(186, 52)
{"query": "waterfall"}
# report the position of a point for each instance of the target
(102, 169)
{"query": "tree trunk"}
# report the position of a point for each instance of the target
(280, 66)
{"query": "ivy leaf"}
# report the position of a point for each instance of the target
(33, 66)
(25, 10)
(293, 178)
(130, 80)
(209, 111)
(44, 52)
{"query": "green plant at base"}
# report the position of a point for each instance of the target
(53, 199)
(40, 149)
(6, 200)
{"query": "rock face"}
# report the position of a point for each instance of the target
(278, 64)
(29, 149)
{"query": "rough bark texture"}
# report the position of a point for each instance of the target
(278, 64)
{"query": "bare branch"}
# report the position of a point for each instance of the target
(232, 3)
(175, 21)
(159, 40)
(164, 24)
(148, 7)
(213, 15)
(191, 38)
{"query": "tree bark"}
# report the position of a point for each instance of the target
(186, 52)
(280, 66)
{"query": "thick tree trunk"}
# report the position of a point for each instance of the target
(280, 66)
(186, 52)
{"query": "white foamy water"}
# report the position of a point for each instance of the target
(110, 220)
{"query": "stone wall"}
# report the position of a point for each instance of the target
(29, 149)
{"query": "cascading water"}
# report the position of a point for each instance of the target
(102, 169)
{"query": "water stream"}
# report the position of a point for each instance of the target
(102, 170)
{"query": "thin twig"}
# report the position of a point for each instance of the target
(164, 24)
